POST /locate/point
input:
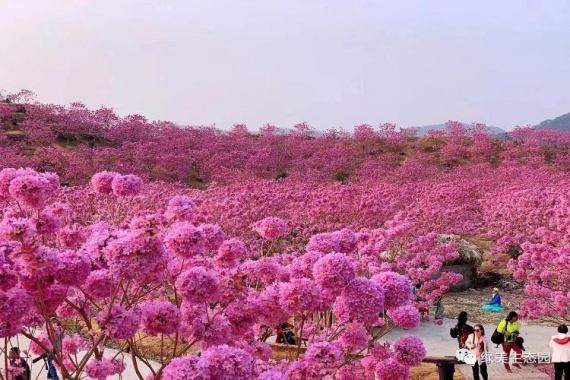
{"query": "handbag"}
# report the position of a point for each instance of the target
(497, 337)
(454, 332)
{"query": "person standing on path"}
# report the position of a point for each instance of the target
(560, 353)
(509, 327)
(438, 316)
(16, 361)
(461, 334)
(57, 346)
(478, 345)
(415, 289)
(49, 357)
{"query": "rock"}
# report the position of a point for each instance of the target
(509, 284)
(469, 253)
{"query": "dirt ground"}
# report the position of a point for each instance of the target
(428, 371)
(471, 301)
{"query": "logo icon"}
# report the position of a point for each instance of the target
(465, 356)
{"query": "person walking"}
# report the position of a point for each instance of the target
(438, 316)
(17, 362)
(478, 345)
(509, 327)
(459, 329)
(560, 353)
(49, 357)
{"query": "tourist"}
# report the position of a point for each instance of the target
(560, 353)
(495, 304)
(478, 345)
(48, 357)
(284, 334)
(459, 332)
(438, 316)
(422, 306)
(509, 327)
(18, 362)
(57, 346)
(415, 289)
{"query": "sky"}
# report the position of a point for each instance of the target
(330, 63)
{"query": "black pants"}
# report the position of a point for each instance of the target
(483, 368)
(561, 369)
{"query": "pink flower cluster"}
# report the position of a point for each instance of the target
(168, 273)
(104, 368)
(160, 317)
(182, 262)
(271, 228)
(28, 187)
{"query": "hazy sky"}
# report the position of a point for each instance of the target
(330, 63)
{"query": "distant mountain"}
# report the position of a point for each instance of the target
(423, 131)
(561, 123)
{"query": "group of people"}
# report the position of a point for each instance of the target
(423, 307)
(21, 364)
(472, 338)
(17, 361)
(494, 305)
(507, 334)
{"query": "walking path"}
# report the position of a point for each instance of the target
(495, 371)
(436, 340)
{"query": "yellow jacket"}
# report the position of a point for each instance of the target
(512, 327)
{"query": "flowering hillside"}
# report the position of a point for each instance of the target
(210, 240)
(76, 142)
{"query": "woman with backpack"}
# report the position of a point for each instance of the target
(478, 345)
(509, 328)
(461, 330)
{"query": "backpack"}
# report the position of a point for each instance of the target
(454, 332)
(497, 337)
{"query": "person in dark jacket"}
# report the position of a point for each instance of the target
(17, 361)
(461, 334)
(284, 334)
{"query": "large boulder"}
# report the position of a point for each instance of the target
(469, 253)
(470, 258)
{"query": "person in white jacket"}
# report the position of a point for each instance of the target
(560, 353)
(479, 345)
